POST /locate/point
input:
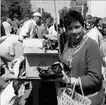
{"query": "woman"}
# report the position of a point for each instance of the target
(81, 58)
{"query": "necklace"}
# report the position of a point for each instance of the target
(69, 52)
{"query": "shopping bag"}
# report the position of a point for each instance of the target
(8, 96)
(70, 97)
(15, 66)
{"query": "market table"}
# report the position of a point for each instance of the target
(36, 56)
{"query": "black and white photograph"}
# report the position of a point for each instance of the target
(53, 52)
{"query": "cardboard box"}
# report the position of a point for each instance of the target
(35, 57)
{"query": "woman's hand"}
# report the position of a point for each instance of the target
(71, 80)
(74, 80)
(65, 78)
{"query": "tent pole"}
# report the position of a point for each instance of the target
(57, 29)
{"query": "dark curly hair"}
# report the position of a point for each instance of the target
(71, 16)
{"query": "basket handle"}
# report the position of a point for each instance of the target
(80, 84)
(73, 90)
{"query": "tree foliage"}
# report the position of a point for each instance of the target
(19, 8)
(62, 13)
(45, 15)
(15, 10)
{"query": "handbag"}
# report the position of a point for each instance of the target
(70, 97)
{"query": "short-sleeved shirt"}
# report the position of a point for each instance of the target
(29, 29)
(95, 35)
(7, 28)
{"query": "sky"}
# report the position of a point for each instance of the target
(48, 5)
(97, 8)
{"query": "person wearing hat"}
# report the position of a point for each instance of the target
(29, 28)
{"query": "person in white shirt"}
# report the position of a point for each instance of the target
(52, 31)
(95, 34)
(29, 28)
(7, 48)
(7, 27)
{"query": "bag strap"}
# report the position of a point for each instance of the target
(73, 90)
(80, 84)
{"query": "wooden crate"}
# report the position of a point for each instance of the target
(35, 57)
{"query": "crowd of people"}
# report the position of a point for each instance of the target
(16, 31)
(82, 47)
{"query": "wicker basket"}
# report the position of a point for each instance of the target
(69, 97)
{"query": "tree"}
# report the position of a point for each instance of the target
(4, 7)
(21, 8)
(15, 10)
(45, 15)
(73, 3)
(26, 8)
(62, 13)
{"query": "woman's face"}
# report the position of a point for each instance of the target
(75, 30)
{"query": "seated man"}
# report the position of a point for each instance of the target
(29, 28)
